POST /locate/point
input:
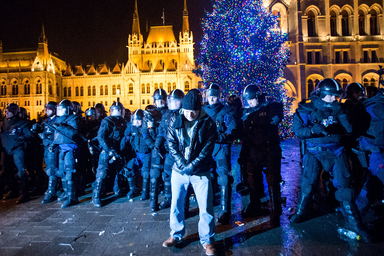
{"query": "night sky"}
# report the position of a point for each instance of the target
(86, 31)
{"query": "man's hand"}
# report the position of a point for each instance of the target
(317, 129)
(188, 169)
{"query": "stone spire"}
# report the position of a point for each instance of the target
(42, 38)
(136, 23)
(185, 18)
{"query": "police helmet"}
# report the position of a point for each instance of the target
(100, 108)
(13, 108)
(328, 86)
(149, 107)
(137, 115)
(213, 90)
(76, 107)
(160, 94)
(51, 105)
(64, 108)
(176, 94)
(92, 112)
(354, 88)
(252, 91)
(23, 113)
(117, 109)
(128, 115)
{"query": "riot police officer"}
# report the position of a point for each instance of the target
(224, 117)
(101, 110)
(50, 152)
(109, 135)
(135, 136)
(15, 133)
(261, 122)
(67, 138)
(321, 123)
(161, 161)
(160, 100)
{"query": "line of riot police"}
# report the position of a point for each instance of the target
(115, 152)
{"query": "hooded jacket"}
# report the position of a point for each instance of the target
(202, 142)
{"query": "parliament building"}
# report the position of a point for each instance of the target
(340, 39)
(32, 78)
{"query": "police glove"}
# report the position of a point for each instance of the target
(112, 153)
(276, 120)
(317, 129)
(188, 169)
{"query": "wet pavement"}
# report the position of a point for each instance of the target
(122, 227)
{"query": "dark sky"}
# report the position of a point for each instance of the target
(86, 31)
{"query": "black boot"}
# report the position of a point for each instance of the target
(64, 195)
(154, 195)
(97, 187)
(275, 201)
(354, 222)
(145, 190)
(50, 194)
(254, 207)
(225, 205)
(132, 188)
(71, 195)
(23, 190)
(168, 197)
(301, 211)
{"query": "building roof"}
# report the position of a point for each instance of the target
(160, 34)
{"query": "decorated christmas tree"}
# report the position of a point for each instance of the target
(243, 44)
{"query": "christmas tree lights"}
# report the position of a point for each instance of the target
(243, 44)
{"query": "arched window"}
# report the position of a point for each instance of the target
(113, 89)
(130, 88)
(365, 82)
(174, 86)
(373, 82)
(345, 23)
(50, 90)
(101, 90)
(142, 88)
(373, 22)
(344, 83)
(148, 88)
(81, 91)
(106, 90)
(333, 24)
(57, 90)
(27, 87)
(361, 22)
(77, 91)
(69, 92)
(276, 13)
(169, 89)
(118, 91)
(311, 87)
(15, 88)
(161, 86)
(65, 92)
(94, 90)
(311, 24)
(156, 86)
(89, 91)
(186, 86)
(38, 87)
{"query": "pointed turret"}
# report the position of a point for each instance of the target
(136, 23)
(42, 38)
(42, 48)
(185, 18)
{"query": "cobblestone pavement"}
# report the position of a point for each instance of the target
(124, 228)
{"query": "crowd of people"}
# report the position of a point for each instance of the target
(181, 144)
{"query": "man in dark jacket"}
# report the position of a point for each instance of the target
(224, 117)
(261, 133)
(15, 133)
(109, 136)
(321, 123)
(191, 140)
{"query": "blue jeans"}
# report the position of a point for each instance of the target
(202, 186)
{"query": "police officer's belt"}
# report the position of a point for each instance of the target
(319, 149)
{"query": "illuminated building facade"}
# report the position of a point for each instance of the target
(32, 78)
(340, 39)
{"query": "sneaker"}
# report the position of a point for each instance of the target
(170, 242)
(209, 249)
